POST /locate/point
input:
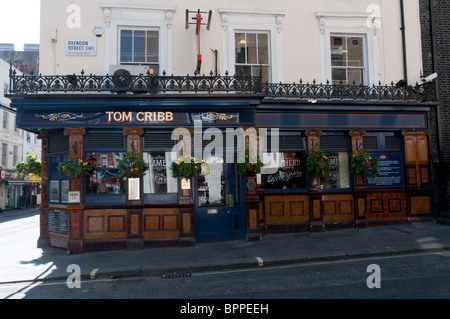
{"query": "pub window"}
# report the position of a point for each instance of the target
(252, 54)
(58, 185)
(285, 169)
(158, 183)
(139, 46)
(103, 152)
(337, 148)
(347, 59)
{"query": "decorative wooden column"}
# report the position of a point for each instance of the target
(359, 181)
(75, 210)
(43, 207)
(418, 183)
(313, 143)
(186, 190)
(134, 210)
(315, 198)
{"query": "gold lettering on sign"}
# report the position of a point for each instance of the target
(140, 116)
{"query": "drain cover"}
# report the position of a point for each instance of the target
(177, 275)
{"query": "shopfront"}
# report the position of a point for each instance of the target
(106, 211)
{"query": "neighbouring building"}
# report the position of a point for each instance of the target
(436, 50)
(11, 189)
(331, 75)
(26, 61)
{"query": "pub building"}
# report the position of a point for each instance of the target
(130, 101)
(104, 211)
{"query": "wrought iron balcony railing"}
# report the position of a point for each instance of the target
(158, 84)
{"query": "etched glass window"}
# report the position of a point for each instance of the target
(158, 178)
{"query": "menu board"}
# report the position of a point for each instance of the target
(391, 171)
(58, 221)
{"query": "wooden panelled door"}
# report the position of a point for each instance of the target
(219, 212)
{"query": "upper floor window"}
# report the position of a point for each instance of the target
(4, 153)
(349, 47)
(253, 38)
(138, 34)
(5, 120)
(347, 59)
(139, 46)
(252, 54)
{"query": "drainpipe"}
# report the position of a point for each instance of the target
(405, 69)
(436, 83)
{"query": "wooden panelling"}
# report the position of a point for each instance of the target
(286, 208)
(420, 205)
(161, 222)
(385, 205)
(337, 207)
(253, 213)
(105, 223)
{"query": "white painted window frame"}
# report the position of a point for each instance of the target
(118, 16)
(359, 24)
(253, 20)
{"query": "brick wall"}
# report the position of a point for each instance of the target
(442, 67)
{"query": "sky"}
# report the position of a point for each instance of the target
(19, 22)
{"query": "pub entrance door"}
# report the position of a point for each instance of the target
(219, 205)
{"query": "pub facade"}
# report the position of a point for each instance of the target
(98, 118)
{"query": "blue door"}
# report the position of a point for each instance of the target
(219, 213)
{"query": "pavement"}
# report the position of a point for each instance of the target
(48, 263)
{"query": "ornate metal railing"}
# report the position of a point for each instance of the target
(157, 84)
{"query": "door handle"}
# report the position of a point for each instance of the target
(228, 211)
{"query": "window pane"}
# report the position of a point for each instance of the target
(355, 52)
(65, 191)
(211, 187)
(290, 171)
(251, 48)
(54, 191)
(243, 70)
(152, 46)
(4, 153)
(240, 47)
(158, 179)
(339, 171)
(338, 51)
(126, 44)
(139, 46)
(264, 71)
(338, 75)
(355, 76)
(263, 49)
(104, 178)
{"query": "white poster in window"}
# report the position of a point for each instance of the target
(74, 196)
(134, 188)
(81, 47)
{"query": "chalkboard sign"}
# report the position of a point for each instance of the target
(58, 221)
(391, 171)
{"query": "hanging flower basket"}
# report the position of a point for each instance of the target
(185, 166)
(74, 168)
(361, 161)
(131, 165)
(317, 163)
(30, 166)
(249, 163)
